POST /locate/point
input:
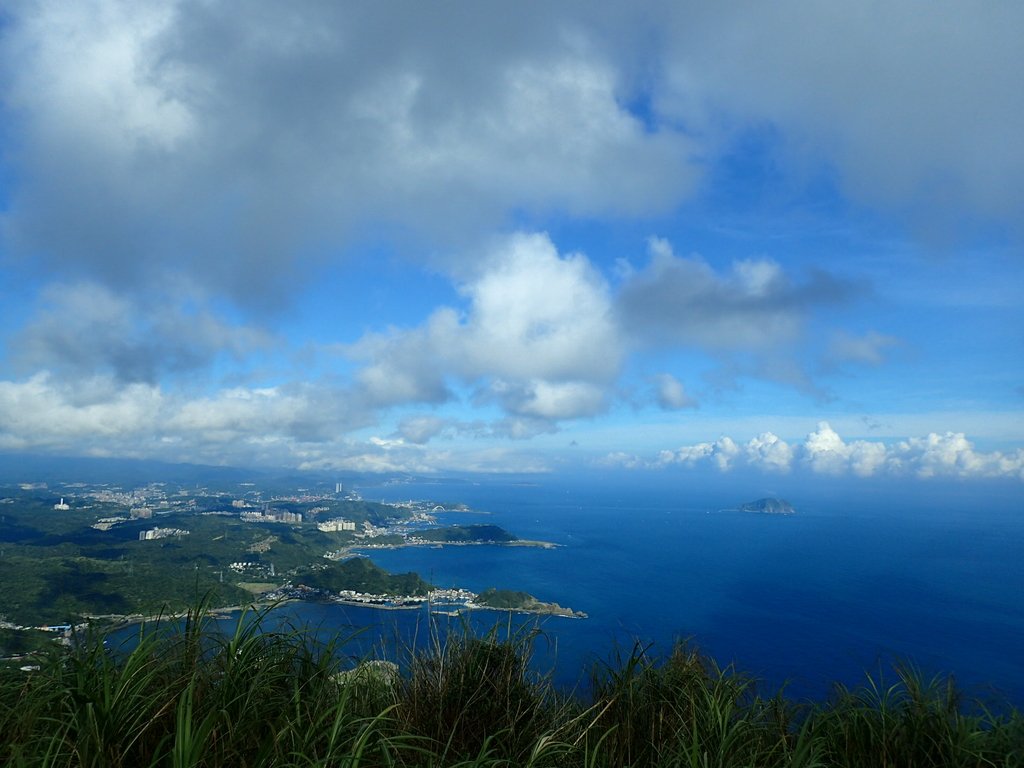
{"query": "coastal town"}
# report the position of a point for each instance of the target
(75, 553)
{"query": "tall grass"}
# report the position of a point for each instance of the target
(191, 696)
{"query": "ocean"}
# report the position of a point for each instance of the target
(861, 577)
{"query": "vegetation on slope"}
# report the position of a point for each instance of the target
(199, 698)
(361, 575)
(505, 598)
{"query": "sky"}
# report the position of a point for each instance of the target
(529, 237)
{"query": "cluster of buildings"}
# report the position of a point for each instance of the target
(335, 525)
(106, 523)
(271, 516)
(367, 598)
(251, 566)
(161, 533)
(451, 596)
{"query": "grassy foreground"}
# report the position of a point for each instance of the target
(197, 698)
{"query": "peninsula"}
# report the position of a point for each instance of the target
(73, 552)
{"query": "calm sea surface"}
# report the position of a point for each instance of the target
(854, 581)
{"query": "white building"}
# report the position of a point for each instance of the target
(338, 524)
(161, 533)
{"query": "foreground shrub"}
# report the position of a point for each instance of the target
(191, 696)
(913, 722)
(471, 696)
(683, 710)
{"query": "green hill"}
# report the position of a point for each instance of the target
(359, 574)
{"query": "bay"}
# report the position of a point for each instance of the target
(860, 578)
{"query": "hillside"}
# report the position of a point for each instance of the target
(359, 574)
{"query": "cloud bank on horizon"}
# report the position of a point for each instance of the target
(399, 238)
(825, 452)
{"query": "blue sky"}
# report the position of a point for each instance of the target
(728, 237)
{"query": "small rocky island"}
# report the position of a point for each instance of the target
(768, 506)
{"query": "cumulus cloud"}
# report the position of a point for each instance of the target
(825, 452)
(754, 306)
(722, 453)
(952, 454)
(304, 426)
(184, 143)
(101, 414)
(551, 400)
(537, 335)
(767, 451)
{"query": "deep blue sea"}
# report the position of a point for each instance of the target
(863, 575)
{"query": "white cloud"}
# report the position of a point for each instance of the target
(536, 314)
(688, 454)
(184, 143)
(102, 415)
(303, 426)
(952, 454)
(91, 72)
(767, 451)
(375, 457)
(38, 413)
(825, 452)
(723, 453)
(537, 332)
(552, 401)
(622, 459)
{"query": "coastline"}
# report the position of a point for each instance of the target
(122, 621)
(425, 543)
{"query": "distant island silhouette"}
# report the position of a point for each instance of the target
(766, 506)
